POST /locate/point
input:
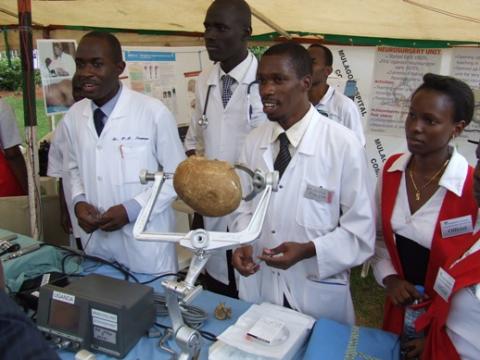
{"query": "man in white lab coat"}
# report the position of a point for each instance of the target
(57, 160)
(112, 135)
(326, 99)
(320, 223)
(229, 101)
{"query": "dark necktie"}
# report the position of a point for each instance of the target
(283, 157)
(322, 112)
(227, 82)
(98, 116)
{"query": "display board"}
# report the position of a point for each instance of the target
(385, 78)
(397, 73)
(56, 61)
(361, 64)
(465, 65)
(168, 74)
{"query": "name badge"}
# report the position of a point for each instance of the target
(444, 284)
(318, 194)
(458, 226)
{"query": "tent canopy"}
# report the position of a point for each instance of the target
(396, 19)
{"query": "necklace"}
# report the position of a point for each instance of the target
(418, 191)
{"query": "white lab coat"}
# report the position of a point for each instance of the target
(343, 231)
(225, 134)
(343, 110)
(57, 163)
(140, 134)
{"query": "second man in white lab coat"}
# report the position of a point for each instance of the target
(230, 103)
(320, 223)
(112, 135)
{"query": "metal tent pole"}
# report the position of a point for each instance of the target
(30, 116)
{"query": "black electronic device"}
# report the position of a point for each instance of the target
(96, 313)
(28, 294)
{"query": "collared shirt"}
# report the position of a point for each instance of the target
(238, 72)
(419, 226)
(108, 107)
(337, 107)
(294, 134)
(132, 207)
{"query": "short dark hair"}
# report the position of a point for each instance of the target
(241, 9)
(301, 60)
(111, 40)
(459, 92)
(326, 51)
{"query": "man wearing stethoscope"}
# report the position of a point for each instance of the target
(228, 107)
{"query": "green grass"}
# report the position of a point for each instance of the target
(368, 299)
(43, 122)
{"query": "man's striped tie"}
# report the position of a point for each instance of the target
(283, 157)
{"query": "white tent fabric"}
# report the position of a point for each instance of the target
(400, 19)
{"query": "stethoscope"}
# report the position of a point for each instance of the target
(203, 121)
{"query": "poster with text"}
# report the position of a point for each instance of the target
(398, 72)
(465, 66)
(153, 73)
(168, 74)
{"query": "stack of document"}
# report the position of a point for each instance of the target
(264, 331)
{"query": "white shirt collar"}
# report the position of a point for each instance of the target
(453, 177)
(239, 71)
(328, 95)
(296, 131)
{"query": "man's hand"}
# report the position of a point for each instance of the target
(400, 291)
(88, 216)
(114, 218)
(242, 260)
(287, 254)
(414, 348)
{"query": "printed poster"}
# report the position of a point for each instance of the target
(465, 66)
(398, 72)
(56, 61)
(153, 73)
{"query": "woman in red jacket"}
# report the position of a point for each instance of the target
(426, 204)
(453, 319)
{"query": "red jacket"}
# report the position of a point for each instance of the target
(438, 345)
(9, 185)
(441, 249)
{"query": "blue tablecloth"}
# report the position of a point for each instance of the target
(45, 259)
(329, 340)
